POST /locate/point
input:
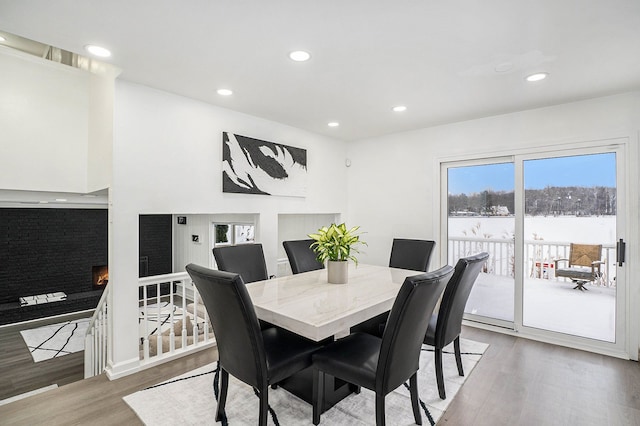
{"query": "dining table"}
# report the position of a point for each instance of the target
(306, 304)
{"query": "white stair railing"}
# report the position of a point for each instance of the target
(96, 338)
(172, 321)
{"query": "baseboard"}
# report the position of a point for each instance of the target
(121, 369)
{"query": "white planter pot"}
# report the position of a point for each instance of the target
(337, 271)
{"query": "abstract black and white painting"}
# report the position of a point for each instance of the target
(253, 166)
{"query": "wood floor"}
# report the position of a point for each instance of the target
(19, 374)
(517, 382)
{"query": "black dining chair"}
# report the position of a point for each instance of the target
(383, 364)
(405, 254)
(244, 259)
(411, 254)
(445, 326)
(256, 357)
(301, 256)
(247, 260)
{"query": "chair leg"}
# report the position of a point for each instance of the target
(264, 406)
(580, 285)
(222, 398)
(317, 396)
(413, 389)
(456, 347)
(380, 410)
(439, 374)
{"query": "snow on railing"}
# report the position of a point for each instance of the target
(172, 321)
(539, 255)
(95, 341)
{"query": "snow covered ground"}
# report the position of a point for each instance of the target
(580, 229)
(549, 305)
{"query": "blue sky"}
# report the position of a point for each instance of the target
(583, 170)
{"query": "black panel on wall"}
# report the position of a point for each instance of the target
(50, 250)
(155, 244)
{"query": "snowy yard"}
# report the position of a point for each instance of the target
(548, 304)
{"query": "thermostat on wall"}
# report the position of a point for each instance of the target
(182, 220)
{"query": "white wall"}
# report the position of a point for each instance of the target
(186, 251)
(44, 121)
(167, 157)
(54, 119)
(393, 180)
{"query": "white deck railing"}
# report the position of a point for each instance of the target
(96, 339)
(171, 322)
(539, 255)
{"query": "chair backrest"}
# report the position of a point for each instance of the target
(455, 298)
(234, 322)
(244, 259)
(406, 327)
(301, 256)
(411, 254)
(584, 254)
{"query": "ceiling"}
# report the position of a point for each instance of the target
(446, 61)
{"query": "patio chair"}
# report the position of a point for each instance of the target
(583, 265)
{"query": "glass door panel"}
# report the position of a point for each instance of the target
(480, 217)
(570, 207)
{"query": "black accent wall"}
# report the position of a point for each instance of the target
(47, 251)
(155, 243)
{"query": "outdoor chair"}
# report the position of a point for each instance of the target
(582, 266)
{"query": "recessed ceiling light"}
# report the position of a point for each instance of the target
(43, 202)
(2, 38)
(225, 92)
(61, 200)
(537, 76)
(98, 51)
(300, 56)
(399, 108)
(333, 124)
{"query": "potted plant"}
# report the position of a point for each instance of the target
(336, 245)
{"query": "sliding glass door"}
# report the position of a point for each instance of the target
(570, 219)
(550, 222)
(480, 217)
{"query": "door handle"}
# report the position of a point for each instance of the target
(620, 251)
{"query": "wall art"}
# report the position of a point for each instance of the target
(254, 166)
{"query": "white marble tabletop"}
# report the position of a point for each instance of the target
(309, 306)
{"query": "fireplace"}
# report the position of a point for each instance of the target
(100, 275)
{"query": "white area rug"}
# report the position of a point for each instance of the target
(189, 399)
(52, 341)
(158, 318)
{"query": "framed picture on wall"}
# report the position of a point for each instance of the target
(254, 166)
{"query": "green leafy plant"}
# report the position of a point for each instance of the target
(336, 243)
